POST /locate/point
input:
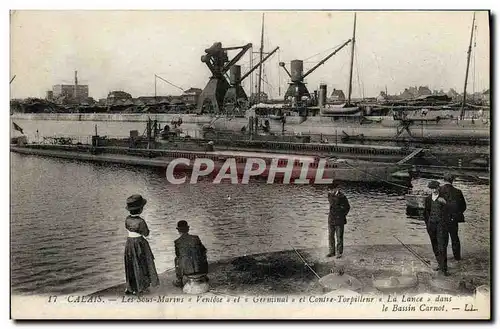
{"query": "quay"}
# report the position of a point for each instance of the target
(283, 272)
(453, 140)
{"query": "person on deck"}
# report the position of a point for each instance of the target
(456, 206)
(140, 269)
(436, 222)
(339, 208)
(190, 255)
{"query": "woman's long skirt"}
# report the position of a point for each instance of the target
(140, 269)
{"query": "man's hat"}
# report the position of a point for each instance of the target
(449, 177)
(182, 225)
(433, 184)
(135, 202)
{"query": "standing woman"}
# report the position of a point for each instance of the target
(140, 270)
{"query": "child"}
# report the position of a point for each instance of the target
(140, 270)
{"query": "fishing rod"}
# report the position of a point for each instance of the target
(305, 262)
(423, 260)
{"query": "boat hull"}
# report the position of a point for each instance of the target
(352, 171)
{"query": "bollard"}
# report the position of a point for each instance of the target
(196, 284)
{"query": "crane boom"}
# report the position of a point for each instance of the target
(326, 58)
(259, 64)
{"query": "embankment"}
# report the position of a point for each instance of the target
(284, 271)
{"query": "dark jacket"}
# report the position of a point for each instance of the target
(455, 202)
(136, 224)
(339, 208)
(190, 255)
(428, 206)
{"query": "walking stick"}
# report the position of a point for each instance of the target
(305, 262)
(423, 260)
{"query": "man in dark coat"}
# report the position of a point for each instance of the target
(455, 208)
(436, 220)
(339, 208)
(190, 254)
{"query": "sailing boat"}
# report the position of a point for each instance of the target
(462, 110)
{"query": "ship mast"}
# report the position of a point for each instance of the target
(260, 67)
(467, 70)
(352, 61)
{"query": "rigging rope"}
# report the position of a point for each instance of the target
(324, 51)
(279, 75)
(361, 90)
(474, 64)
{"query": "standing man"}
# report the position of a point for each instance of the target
(437, 226)
(339, 208)
(190, 254)
(455, 208)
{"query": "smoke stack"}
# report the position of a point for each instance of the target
(322, 95)
(76, 84)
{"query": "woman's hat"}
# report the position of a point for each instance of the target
(433, 184)
(182, 225)
(135, 202)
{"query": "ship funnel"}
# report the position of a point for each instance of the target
(322, 95)
(297, 70)
(235, 74)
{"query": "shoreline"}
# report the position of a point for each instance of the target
(320, 125)
(283, 272)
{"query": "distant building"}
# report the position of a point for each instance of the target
(150, 100)
(407, 94)
(486, 96)
(70, 93)
(75, 93)
(191, 95)
(177, 99)
(452, 93)
(50, 95)
(337, 95)
(382, 97)
(117, 96)
(424, 91)
(414, 92)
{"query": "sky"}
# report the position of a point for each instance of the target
(123, 50)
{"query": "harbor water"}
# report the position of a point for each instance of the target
(68, 233)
